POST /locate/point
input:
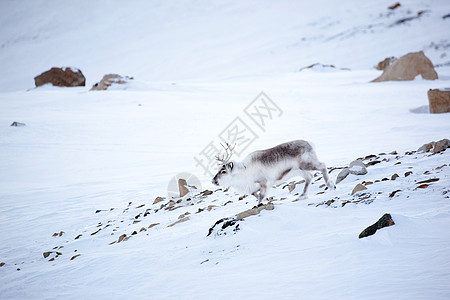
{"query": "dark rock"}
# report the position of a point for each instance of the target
(428, 180)
(395, 176)
(46, 254)
(408, 173)
(372, 163)
(385, 221)
(423, 186)
(75, 256)
(393, 193)
(17, 124)
(2, 264)
(394, 6)
(64, 77)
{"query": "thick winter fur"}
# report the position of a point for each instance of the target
(261, 169)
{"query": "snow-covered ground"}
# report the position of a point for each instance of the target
(97, 160)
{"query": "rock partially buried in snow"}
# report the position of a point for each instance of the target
(437, 147)
(63, 77)
(158, 199)
(342, 175)
(17, 124)
(359, 187)
(110, 79)
(439, 101)
(408, 67)
(441, 145)
(254, 211)
(385, 221)
(357, 167)
(179, 221)
(382, 65)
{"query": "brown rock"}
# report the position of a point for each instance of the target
(108, 80)
(179, 221)
(182, 187)
(254, 211)
(385, 63)
(122, 237)
(385, 221)
(61, 77)
(408, 67)
(158, 199)
(394, 6)
(439, 101)
(441, 145)
(75, 256)
(395, 176)
(359, 187)
(153, 225)
(393, 193)
(2, 264)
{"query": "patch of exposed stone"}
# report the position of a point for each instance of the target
(385, 221)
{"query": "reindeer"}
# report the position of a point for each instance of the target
(264, 168)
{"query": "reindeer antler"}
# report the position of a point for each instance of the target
(228, 153)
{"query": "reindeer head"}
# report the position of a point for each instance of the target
(223, 177)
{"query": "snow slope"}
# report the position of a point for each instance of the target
(197, 65)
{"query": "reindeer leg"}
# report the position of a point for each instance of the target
(308, 177)
(262, 191)
(323, 169)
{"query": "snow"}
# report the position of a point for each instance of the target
(86, 160)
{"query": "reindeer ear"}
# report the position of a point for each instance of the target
(230, 165)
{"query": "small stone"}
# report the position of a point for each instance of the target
(372, 163)
(206, 193)
(359, 187)
(153, 225)
(292, 185)
(342, 175)
(75, 256)
(122, 237)
(158, 199)
(428, 180)
(408, 173)
(78, 236)
(210, 207)
(18, 124)
(46, 254)
(2, 264)
(423, 186)
(179, 221)
(393, 193)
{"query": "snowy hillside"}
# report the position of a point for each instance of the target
(78, 181)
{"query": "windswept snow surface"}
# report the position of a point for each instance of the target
(90, 161)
